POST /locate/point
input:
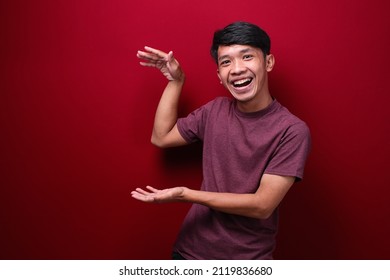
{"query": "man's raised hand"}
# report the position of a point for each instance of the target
(165, 62)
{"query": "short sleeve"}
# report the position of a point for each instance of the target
(192, 127)
(290, 156)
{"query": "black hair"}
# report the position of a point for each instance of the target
(240, 33)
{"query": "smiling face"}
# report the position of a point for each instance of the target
(243, 70)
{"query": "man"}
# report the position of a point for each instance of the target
(254, 149)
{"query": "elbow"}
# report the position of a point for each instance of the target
(263, 213)
(158, 142)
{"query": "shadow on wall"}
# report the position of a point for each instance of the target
(183, 165)
(308, 227)
(306, 231)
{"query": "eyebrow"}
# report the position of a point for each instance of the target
(241, 52)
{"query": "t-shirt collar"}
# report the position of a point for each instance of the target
(272, 106)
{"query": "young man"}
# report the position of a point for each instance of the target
(254, 149)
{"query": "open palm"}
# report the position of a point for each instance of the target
(158, 196)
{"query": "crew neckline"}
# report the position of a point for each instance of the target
(273, 105)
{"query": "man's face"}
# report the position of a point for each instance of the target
(243, 71)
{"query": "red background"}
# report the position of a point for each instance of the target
(77, 110)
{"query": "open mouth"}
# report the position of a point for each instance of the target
(242, 83)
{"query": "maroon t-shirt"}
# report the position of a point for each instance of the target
(238, 148)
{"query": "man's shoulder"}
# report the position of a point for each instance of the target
(221, 100)
(286, 115)
(285, 119)
(217, 104)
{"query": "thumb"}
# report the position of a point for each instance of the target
(170, 56)
(170, 59)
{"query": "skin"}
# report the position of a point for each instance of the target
(237, 64)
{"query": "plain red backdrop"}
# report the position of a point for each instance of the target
(77, 110)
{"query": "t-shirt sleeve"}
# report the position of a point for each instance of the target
(191, 127)
(290, 156)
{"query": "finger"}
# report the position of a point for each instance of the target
(141, 197)
(170, 56)
(156, 51)
(141, 191)
(170, 59)
(148, 56)
(148, 64)
(152, 189)
(136, 195)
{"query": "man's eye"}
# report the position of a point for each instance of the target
(248, 56)
(224, 62)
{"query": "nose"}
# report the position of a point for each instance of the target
(237, 67)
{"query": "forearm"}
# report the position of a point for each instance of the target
(258, 205)
(249, 205)
(167, 111)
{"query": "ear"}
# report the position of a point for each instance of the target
(270, 62)
(219, 76)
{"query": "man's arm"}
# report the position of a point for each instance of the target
(259, 205)
(165, 133)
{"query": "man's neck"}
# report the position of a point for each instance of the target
(255, 105)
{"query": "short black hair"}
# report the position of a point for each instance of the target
(241, 33)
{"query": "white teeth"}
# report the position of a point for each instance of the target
(240, 82)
